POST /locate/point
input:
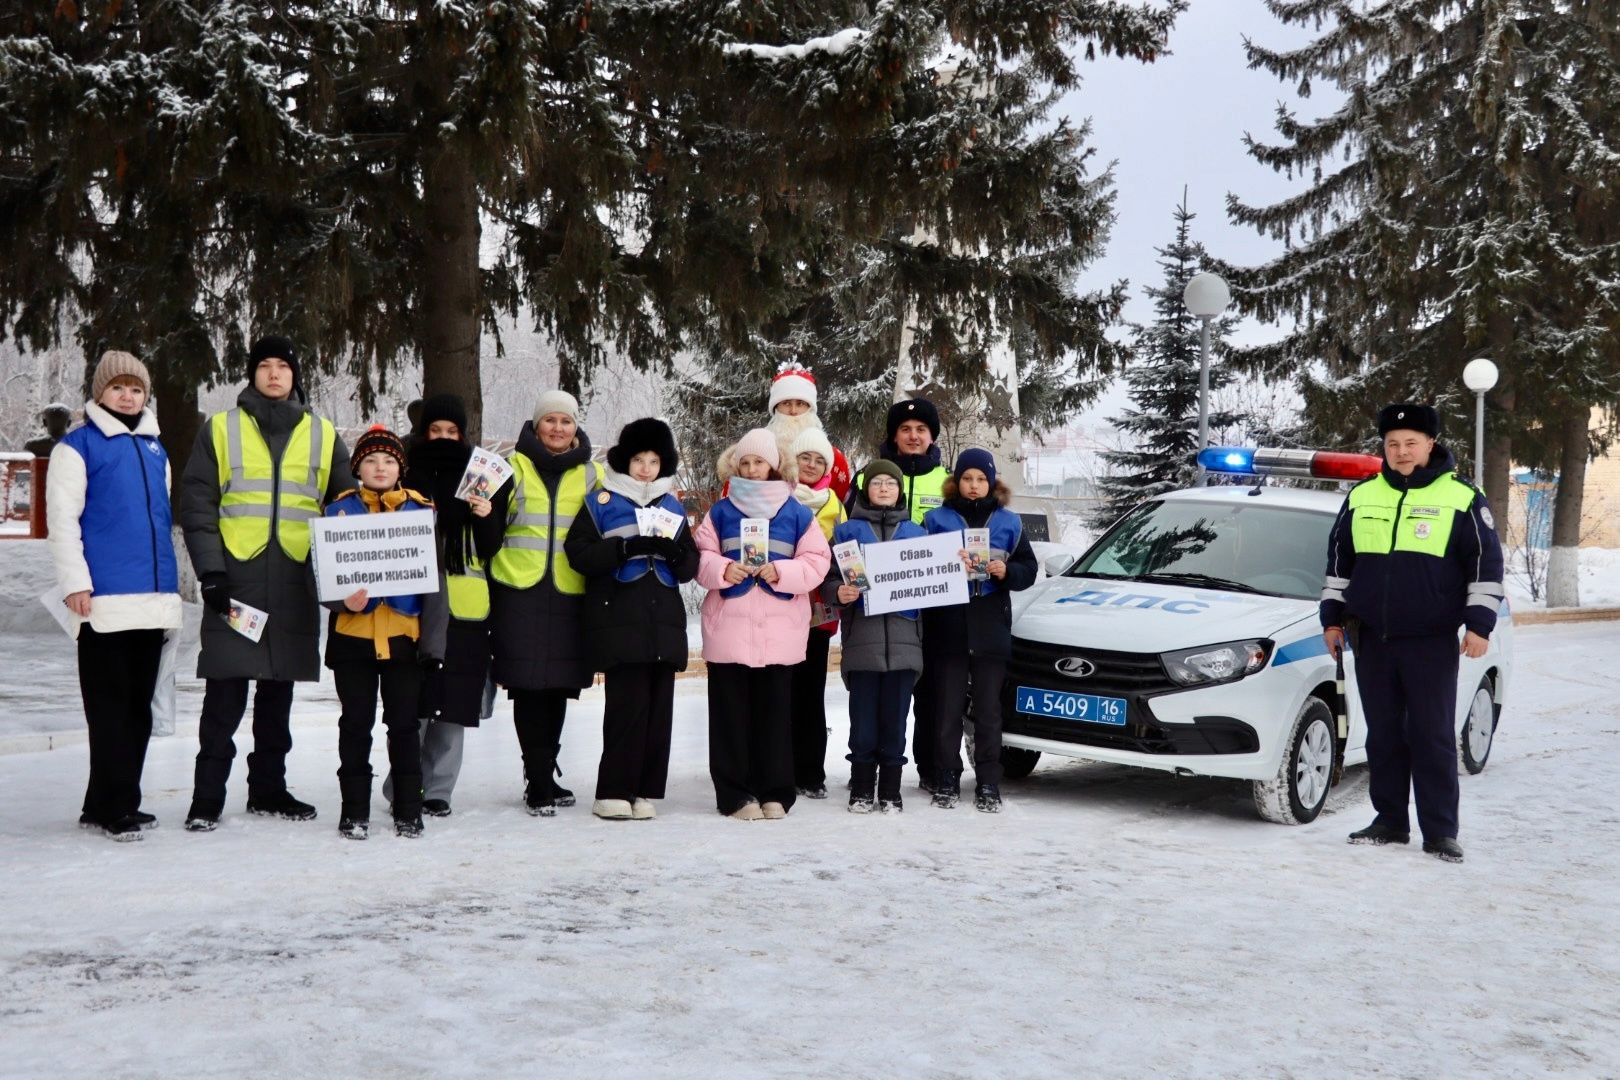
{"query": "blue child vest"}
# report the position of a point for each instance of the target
(861, 531)
(787, 526)
(617, 518)
(1005, 531)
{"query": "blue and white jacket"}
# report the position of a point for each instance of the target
(111, 531)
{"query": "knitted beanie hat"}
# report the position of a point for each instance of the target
(761, 442)
(793, 384)
(881, 467)
(812, 440)
(975, 458)
(376, 440)
(118, 365)
(556, 401)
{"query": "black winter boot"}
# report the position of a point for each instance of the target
(862, 781)
(987, 798)
(203, 815)
(889, 789)
(947, 790)
(1379, 834)
(280, 804)
(1445, 848)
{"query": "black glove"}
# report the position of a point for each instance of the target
(216, 592)
(430, 664)
(637, 547)
(667, 548)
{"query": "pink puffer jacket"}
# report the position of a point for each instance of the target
(758, 629)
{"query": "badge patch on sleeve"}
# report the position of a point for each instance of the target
(1485, 516)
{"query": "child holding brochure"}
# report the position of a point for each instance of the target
(754, 621)
(635, 550)
(381, 644)
(967, 646)
(883, 654)
(811, 456)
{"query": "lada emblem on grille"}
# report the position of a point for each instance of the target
(1075, 667)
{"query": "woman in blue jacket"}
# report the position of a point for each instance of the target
(107, 500)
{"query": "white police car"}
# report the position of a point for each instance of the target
(1186, 639)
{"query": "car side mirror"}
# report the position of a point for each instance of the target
(1057, 565)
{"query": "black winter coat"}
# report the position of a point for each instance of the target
(289, 650)
(538, 633)
(637, 622)
(983, 625)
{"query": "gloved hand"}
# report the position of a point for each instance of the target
(430, 664)
(637, 547)
(216, 592)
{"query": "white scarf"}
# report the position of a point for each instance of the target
(813, 497)
(642, 494)
(758, 498)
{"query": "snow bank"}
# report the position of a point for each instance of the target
(25, 573)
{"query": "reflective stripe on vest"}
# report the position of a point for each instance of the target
(1384, 518)
(1005, 528)
(255, 491)
(536, 527)
(786, 528)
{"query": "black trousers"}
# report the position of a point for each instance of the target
(956, 681)
(925, 727)
(117, 673)
(538, 716)
(878, 701)
(750, 741)
(809, 705)
(637, 716)
(224, 703)
(1409, 695)
(358, 685)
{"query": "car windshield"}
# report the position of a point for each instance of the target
(1238, 547)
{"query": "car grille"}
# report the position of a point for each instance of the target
(1136, 677)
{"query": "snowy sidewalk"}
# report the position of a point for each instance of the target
(1109, 923)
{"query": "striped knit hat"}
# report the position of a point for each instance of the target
(376, 440)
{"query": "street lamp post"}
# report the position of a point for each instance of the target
(1206, 296)
(1479, 376)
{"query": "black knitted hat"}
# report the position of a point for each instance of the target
(282, 348)
(443, 407)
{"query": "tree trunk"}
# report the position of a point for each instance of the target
(177, 419)
(451, 298)
(1563, 564)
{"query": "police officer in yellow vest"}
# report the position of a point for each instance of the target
(537, 599)
(1413, 557)
(257, 475)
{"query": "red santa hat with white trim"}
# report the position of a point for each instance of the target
(793, 383)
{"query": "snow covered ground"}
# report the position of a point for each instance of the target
(1109, 923)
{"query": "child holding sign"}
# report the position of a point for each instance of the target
(381, 643)
(882, 653)
(968, 645)
(754, 622)
(635, 550)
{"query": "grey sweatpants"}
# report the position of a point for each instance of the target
(441, 760)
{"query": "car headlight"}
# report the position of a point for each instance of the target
(1216, 663)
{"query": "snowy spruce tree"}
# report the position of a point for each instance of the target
(1161, 426)
(1475, 214)
(384, 180)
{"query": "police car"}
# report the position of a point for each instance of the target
(1186, 639)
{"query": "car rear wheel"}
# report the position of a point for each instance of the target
(1479, 730)
(1296, 795)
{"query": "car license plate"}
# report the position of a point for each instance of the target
(1088, 708)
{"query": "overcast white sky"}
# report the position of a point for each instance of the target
(1181, 122)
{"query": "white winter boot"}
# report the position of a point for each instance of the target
(612, 809)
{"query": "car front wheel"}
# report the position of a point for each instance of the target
(1478, 731)
(1300, 789)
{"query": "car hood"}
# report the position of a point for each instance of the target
(1134, 616)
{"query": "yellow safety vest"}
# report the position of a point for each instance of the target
(1384, 518)
(536, 527)
(257, 493)
(468, 592)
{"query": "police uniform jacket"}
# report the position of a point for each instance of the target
(1414, 556)
(289, 649)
